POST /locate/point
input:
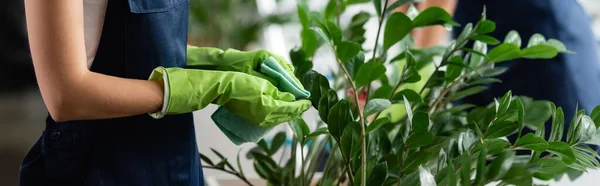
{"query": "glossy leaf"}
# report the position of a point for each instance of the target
(309, 41)
(494, 146)
(562, 150)
(486, 39)
(465, 170)
(587, 129)
(477, 60)
(485, 27)
(346, 50)
(514, 38)
(539, 52)
(595, 116)
(354, 64)
(420, 122)
(520, 115)
(325, 104)
(532, 142)
(454, 68)
(558, 123)
(410, 95)
(536, 39)
(396, 27)
(412, 162)
(419, 139)
(277, 141)
(376, 105)
(500, 129)
(550, 166)
(504, 52)
(376, 124)
(558, 45)
(350, 142)
(299, 128)
(480, 171)
(378, 175)
(206, 159)
(399, 3)
(500, 165)
(433, 16)
(467, 92)
(451, 174)
(339, 117)
(368, 72)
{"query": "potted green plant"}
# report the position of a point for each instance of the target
(410, 132)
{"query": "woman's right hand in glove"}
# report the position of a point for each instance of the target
(252, 98)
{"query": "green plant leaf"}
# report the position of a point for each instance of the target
(376, 105)
(346, 50)
(325, 104)
(558, 123)
(558, 45)
(464, 34)
(533, 142)
(377, 4)
(550, 166)
(504, 52)
(420, 122)
(514, 38)
(354, 64)
(562, 150)
(451, 174)
(485, 27)
(595, 116)
(356, 31)
(587, 129)
(477, 60)
(536, 39)
(412, 75)
(309, 42)
(433, 16)
(299, 128)
(412, 162)
(239, 165)
(494, 146)
(425, 177)
(486, 39)
(494, 71)
(303, 15)
(520, 115)
(575, 127)
(410, 95)
(262, 144)
(466, 92)
(318, 132)
(480, 171)
(518, 175)
(454, 68)
(206, 159)
(277, 141)
(500, 165)
(396, 27)
(368, 72)
(376, 124)
(339, 117)
(350, 2)
(419, 139)
(500, 129)
(539, 52)
(317, 84)
(378, 175)
(351, 142)
(399, 3)
(465, 169)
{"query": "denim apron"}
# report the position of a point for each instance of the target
(569, 80)
(138, 35)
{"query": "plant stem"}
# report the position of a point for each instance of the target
(302, 166)
(347, 164)
(447, 88)
(230, 172)
(381, 18)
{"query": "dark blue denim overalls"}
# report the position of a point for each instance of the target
(138, 35)
(568, 79)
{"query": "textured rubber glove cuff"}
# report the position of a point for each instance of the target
(160, 74)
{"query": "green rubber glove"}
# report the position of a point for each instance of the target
(254, 99)
(248, 62)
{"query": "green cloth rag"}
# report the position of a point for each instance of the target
(236, 128)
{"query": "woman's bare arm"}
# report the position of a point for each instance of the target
(70, 91)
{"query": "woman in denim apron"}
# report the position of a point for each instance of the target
(98, 132)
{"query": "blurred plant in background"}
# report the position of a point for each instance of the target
(229, 23)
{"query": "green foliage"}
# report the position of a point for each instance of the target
(407, 129)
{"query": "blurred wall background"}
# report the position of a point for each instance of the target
(240, 24)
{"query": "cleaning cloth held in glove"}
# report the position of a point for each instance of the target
(239, 130)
